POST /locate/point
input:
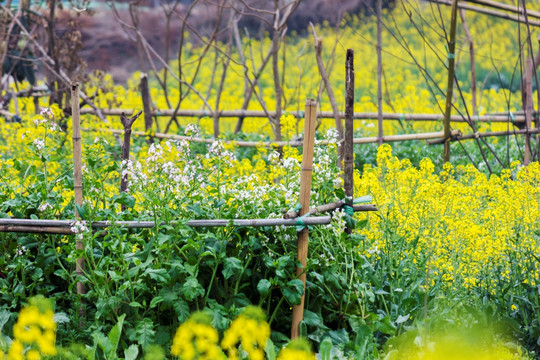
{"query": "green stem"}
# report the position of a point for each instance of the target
(275, 310)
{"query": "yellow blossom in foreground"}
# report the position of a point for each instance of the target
(298, 349)
(36, 329)
(249, 330)
(196, 339)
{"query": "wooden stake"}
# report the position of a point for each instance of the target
(146, 100)
(125, 146)
(451, 71)
(77, 178)
(528, 111)
(349, 129)
(305, 195)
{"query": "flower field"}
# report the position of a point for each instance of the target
(447, 268)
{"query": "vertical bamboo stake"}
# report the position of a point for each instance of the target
(77, 178)
(305, 194)
(145, 94)
(451, 72)
(379, 72)
(528, 110)
(349, 128)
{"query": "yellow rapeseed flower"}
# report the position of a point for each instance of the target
(250, 331)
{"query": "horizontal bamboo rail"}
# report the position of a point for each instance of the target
(485, 134)
(322, 114)
(501, 6)
(517, 18)
(330, 207)
(64, 226)
(295, 143)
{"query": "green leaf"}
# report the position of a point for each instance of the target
(231, 266)
(339, 336)
(156, 300)
(326, 348)
(114, 336)
(313, 319)
(4, 318)
(386, 326)
(401, 319)
(263, 287)
(192, 289)
(340, 193)
(293, 291)
(146, 335)
(160, 275)
(131, 352)
(270, 350)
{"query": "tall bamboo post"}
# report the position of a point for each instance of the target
(77, 178)
(451, 72)
(305, 194)
(349, 129)
(528, 110)
(379, 72)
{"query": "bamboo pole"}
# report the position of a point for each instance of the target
(239, 143)
(322, 115)
(348, 182)
(379, 73)
(64, 226)
(516, 18)
(484, 135)
(528, 110)
(451, 70)
(77, 178)
(330, 207)
(305, 195)
(506, 7)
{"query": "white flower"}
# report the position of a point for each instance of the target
(39, 144)
(44, 206)
(191, 130)
(47, 112)
(78, 228)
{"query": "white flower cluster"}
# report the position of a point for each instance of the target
(79, 228)
(39, 144)
(217, 150)
(21, 250)
(191, 130)
(338, 223)
(44, 206)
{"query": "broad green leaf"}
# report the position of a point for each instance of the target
(263, 287)
(231, 266)
(160, 275)
(293, 291)
(192, 289)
